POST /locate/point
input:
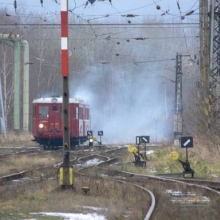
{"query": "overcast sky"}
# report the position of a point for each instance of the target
(116, 8)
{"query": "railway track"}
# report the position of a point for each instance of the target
(107, 161)
(215, 185)
(81, 165)
(102, 165)
(19, 153)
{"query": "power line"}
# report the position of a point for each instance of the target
(113, 38)
(110, 24)
(149, 61)
(182, 17)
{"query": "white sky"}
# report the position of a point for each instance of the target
(117, 8)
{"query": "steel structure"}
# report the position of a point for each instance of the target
(204, 49)
(178, 114)
(214, 74)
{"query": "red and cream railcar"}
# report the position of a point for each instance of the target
(48, 122)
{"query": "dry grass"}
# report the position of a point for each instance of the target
(21, 163)
(113, 199)
(17, 139)
(21, 200)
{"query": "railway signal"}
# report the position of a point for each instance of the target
(90, 138)
(142, 140)
(89, 133)
(174, 155)
(186, 142)
(100, 134)
(139, 160)
(145, 139)
(138, 141)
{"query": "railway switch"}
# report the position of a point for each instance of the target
(139, 160)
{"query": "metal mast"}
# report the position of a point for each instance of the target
(178, 114)
(204, 49)
(66, 172)
(214, 74)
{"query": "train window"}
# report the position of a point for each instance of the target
(80, 113)
(44, 111)
(76, 112)
(85, 114)
(54, 108)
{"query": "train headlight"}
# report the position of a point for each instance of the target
(41, 125)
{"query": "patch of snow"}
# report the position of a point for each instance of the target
(73, 216)
(94, 208)
(214, 175)
(92, 162)
(150, 152)
(175, 193)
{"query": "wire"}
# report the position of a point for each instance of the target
(150, 38)
(82, 15)
(158, 7)
(149, 61)
(191, 7)
(121, 14)
(178, 5)
(160, 24)
(134, 9)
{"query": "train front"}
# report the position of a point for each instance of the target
(47, 122)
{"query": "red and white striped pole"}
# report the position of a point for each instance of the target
(64, 37)
(66, 172)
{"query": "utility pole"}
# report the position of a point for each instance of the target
(214, 74)
(204, 49)
(65, 171)
(178, 114)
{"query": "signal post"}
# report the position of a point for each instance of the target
(66, 172)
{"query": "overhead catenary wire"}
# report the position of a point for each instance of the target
(100, 15)
(117, 25)
(182, 17)
(113, 24)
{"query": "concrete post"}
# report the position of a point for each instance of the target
(25, 86)
(17, 85)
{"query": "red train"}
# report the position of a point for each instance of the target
(48, 125)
